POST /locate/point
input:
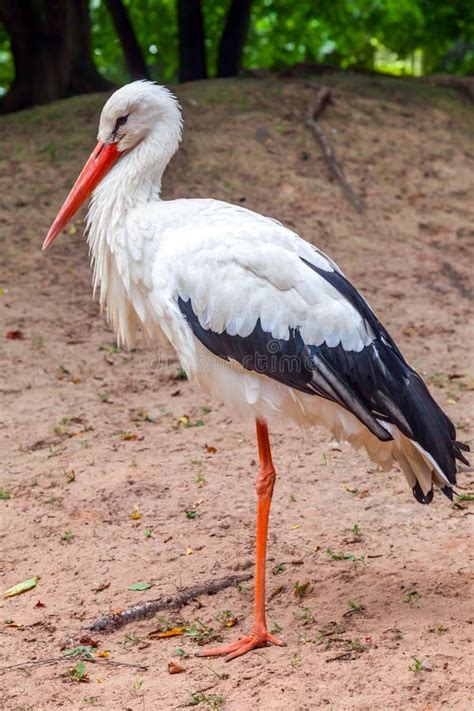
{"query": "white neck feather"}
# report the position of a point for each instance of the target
(132, 182)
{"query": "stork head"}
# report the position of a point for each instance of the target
(136, 110)
(132, 115)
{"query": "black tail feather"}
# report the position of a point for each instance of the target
(448, 491)
(420, 496)
(459, 448)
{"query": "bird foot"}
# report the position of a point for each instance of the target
(242, 646)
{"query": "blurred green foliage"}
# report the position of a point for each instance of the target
(6, 63)
(397, 36)
(155, 25)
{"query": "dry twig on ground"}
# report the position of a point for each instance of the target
(464, 85)
(34, 663)
(316, 107)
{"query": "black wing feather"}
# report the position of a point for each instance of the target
(291, 362)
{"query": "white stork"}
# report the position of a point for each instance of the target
(261, 319)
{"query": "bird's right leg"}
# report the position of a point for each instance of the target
(259, 636)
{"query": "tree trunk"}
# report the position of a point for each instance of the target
(50, 42)
(84, 77)
(36, 78)
(192, 50)
(133, 55)
(233, 38)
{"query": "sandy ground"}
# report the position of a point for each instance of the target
(97, 471)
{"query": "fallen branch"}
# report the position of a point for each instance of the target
(145, 610)
(315, 109)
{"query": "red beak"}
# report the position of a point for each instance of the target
(99, 163)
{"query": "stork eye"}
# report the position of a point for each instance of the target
(120, 122)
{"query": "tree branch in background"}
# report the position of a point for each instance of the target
(315, 109)
(145, 610)
(133, 54)
(192, 48)
(231, 46)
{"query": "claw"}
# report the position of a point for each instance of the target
(242, 646)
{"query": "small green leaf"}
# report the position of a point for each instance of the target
(81, 650)
(22, 587)
(140, 586)
(461, 497)
(78, 673)
(180, 652)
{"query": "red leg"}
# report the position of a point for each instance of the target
(259, 637)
